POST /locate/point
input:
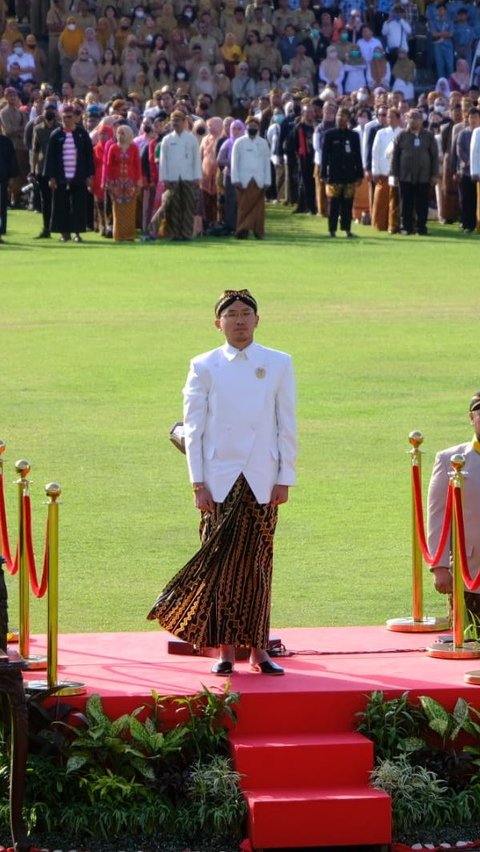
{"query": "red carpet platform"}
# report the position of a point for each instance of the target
(305, 771)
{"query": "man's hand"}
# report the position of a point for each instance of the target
(52, 184)
(203, 499)
(442, 579)
(279, 495)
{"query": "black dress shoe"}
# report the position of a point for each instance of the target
(222, 668)
(43, 235)
(77, 239)
(65, 238)
(268, 667)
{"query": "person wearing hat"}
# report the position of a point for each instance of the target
(240, 441)
(181, 172)
(342, 170)
(437, 495)
(69, 168)
(251, 174)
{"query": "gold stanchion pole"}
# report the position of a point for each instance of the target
(36, 662)
(458, 648)
(417, 622)
(63, 687)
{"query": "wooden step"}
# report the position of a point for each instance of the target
(314, 816)
(302, 759)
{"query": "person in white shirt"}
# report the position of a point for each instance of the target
(251, 174)
(25, 61)
(396, 32)
(475, 168)
(240, 443)
(181, 171)
(385, 208)
(367, 43)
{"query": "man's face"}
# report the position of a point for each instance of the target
(474, 121)
(393, 119)
(308, 114)
(415, 120)
(238, 323)
(382, 116)
(12, 98)
(329, 112)
(68, 120)
(342, 120)
(178, 124)
(475, 421)
(166, 101)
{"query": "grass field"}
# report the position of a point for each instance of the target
(95, 343)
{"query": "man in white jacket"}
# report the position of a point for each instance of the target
(240, 441)
(475, 168)
(180, 170)
(385, 207)
(251, 174)
(437, 495)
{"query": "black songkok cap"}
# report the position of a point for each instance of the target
(475, 402)
(228, 297)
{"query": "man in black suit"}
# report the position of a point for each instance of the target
(8, 170)
(342, 170)
(69, 168)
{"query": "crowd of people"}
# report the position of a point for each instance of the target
(176, 119)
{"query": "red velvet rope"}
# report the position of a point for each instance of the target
(37, 589)
(11, 566)
(472, 585)
(447, 520)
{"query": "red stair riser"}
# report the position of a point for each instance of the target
(303, 761)
(286, 712)
(343, 821)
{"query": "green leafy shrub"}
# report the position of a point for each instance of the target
(394, 725)
(138, 774)
(418, 796)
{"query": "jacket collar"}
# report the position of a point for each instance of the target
(231, 352)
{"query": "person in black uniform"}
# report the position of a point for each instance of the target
(69, 168)
(8, 170)
(342, 169)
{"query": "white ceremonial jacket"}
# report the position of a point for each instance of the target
(382, 151)
(180, 157)
(251, 160)
(437, 495)
(239, 416)
(475, 152)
